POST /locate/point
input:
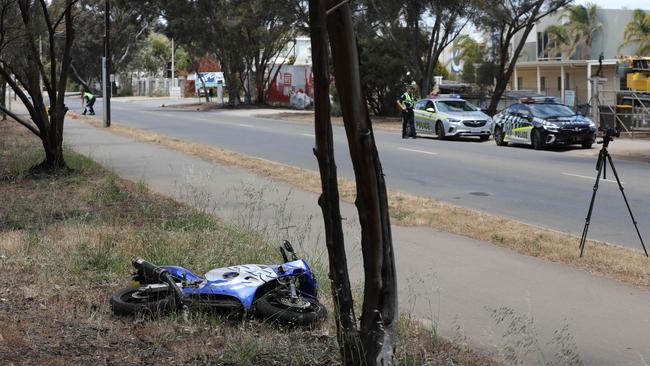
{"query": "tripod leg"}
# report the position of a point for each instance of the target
(583, 239)
(620, 186)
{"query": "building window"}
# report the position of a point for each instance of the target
(542, 40)
(542, 84)
(545, 47)
(520, 82)
(559, 83)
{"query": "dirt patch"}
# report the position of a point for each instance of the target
(623, 264)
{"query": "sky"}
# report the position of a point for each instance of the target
(618, 4)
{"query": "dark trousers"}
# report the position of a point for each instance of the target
(89, 107)
(408, 123)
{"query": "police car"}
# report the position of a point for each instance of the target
(449, 115)
(542, 122)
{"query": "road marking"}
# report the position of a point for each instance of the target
(418, 151)
(309, 134)
(592, 178)
(245, 125)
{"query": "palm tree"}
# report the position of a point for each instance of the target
(637, 31)
(578, 31)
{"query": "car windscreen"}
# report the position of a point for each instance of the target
(456, 106)
(551, 110)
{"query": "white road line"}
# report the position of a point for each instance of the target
(592, 178)
(418, 151)
(308, 134)
(245, 125)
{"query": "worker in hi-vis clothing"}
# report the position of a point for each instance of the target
(89, 100)
(406, 102)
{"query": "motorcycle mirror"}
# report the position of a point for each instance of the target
(288, 246)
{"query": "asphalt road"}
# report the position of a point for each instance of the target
(546, 188)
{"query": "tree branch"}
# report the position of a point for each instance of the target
(27, 125)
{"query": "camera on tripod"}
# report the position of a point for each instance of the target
(601, 166)
(610, 133)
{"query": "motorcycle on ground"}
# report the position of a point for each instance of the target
(284, 293)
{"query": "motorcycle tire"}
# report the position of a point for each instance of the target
(128, 302)
(275, 307)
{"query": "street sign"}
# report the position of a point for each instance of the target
(209, 80)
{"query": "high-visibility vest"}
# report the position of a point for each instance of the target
(408, 98)
(88, 96)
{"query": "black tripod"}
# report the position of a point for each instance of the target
(603, 158)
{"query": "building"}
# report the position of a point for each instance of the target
(541, 70)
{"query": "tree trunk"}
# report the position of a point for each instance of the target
(259, 85)
(3, 97)
(346, 323)
(379, 312)
(53, 146)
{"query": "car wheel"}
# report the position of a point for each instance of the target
(499, 137)
(587, 145)
(536, 140)
(440, 130)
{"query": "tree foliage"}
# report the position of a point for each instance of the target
(247, 37)
(420, 30)
(504, 20)
(578, 32)
(133, 20)
(637, 32)
(156, 54)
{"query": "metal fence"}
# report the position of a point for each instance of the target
(627, 111)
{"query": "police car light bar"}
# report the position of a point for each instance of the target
(455, 96)
(529, 100)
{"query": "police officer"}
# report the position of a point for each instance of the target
(406, 102)
(89, 99)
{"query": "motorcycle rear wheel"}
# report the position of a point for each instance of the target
(131, 301)
(276, 307)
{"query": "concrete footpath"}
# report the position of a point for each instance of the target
(463, 285)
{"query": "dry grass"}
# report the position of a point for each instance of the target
(66, 244)
(625, 265)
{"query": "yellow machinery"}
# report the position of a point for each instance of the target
(637, 74)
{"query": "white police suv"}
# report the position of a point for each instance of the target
(449, 115)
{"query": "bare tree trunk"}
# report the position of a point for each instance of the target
(379, 312)
(3, 97)
(346, 323)
(53, 147)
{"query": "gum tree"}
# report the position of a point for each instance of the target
(24, 25)
(504, 20)
(420, 30)
(372, 340)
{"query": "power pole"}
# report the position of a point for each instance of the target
(106, 65)
(173, 61)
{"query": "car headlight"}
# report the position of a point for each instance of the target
(453, 120)
(551, 127)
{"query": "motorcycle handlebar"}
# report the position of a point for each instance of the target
(158, 273)
(148, 269)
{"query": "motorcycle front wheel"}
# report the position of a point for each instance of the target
(277, 306)
(132, 301)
